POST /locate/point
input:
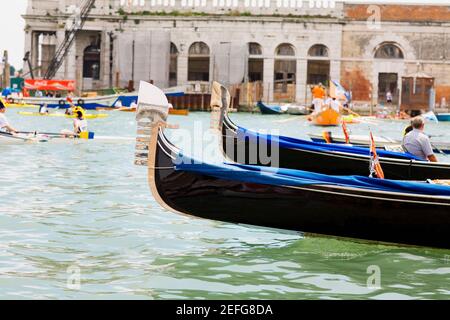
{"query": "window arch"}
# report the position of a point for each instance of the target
(173, 49)
(91, 62)
(318, 50)
(254, 49)
(389, 51)
(285, 49)
(199, 49)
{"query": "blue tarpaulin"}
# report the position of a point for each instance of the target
(290, 177)
(293, 143)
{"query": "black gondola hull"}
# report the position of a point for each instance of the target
(327, 210)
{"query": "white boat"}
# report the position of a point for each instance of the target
(297, 109)
(6, 139)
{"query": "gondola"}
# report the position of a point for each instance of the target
(409, 213)
(247, 147)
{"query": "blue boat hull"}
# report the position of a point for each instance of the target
(443, 117)
(265, 109)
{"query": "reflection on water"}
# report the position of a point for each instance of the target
(87, 207)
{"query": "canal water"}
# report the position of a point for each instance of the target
(77, 221)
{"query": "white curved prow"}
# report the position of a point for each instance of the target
(151, 97)
(152, 110)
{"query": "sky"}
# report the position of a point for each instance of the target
(12, 25)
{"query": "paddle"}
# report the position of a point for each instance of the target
(437, 149)
(351, 111)
(83, 135)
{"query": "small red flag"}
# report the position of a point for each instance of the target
(327, 136)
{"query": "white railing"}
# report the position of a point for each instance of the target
(315, 7)
(265, 7)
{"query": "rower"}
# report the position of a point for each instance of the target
(79, 123)
(417, 143)
(335, 105)
(68, 112)
(4, 123)
(318, 93)
(43, 109)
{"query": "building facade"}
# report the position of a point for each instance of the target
(285, 45)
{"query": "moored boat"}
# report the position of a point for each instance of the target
(297, 110)
(266, 109)
(445, 117)
(352, 207)
(62, 115)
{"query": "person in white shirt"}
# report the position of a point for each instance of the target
(79, 123)
(118, 104)
(417, 142)
(4, 123)
(389, 97)
(43, 109)
(335, 105)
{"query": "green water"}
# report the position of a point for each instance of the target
(85, 207)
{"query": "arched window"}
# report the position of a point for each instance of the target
(173, 67)
(318, 69)
(198, 62)
(285, 70)
(285, 49)
(318, 50)
(254, 49)
(389, 51)
(91, 62)
(255, 64)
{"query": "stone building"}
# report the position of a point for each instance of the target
(286, 45)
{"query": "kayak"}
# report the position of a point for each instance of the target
(37, 114)
(20, 105)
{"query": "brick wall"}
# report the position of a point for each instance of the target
(407, 13)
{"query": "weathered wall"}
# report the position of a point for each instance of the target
(356, 77)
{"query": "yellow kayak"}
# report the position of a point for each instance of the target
(37, 114)
(20, 105)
